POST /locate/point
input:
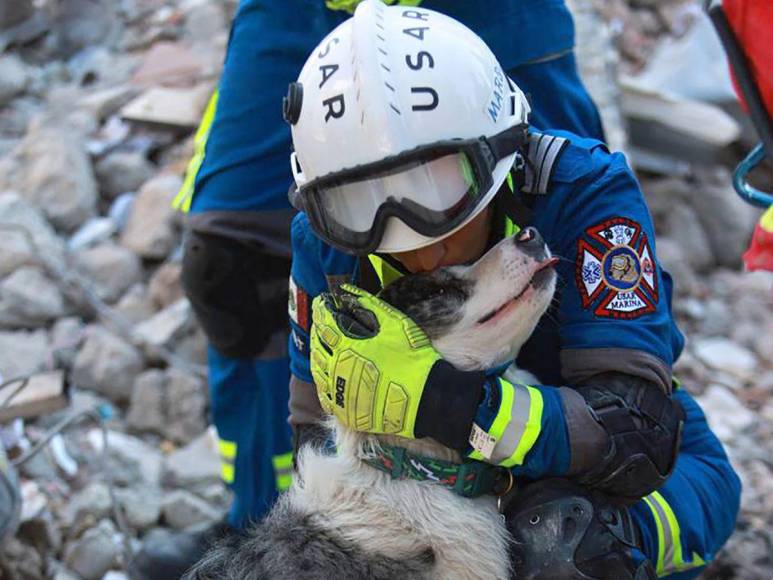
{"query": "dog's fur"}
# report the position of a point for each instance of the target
(343, 518)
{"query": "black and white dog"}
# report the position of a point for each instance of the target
(344, 519)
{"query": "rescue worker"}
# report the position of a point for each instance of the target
(435, 161)
(237, 252)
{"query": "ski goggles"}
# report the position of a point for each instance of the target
(432, 189)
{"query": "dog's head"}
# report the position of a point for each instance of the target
(478, 316)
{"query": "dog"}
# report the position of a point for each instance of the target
(343, 518)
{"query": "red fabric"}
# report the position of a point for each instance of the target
(759, 256)
(752, 21)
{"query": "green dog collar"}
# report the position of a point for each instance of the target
(467, 479)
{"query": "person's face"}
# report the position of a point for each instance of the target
(464, 246)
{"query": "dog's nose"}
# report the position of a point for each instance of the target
(530, 242)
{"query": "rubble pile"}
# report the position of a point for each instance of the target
(98, 102)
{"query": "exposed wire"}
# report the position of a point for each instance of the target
(62, 425)
(24, 379)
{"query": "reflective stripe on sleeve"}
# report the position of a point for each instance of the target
(670, 555)
(184, 197)
(350, 5)
(516, 426)
(283, 470)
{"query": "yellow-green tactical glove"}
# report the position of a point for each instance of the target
(376, 371)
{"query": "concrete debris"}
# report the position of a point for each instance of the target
(94, 231)
(164, 287)
(167, 326)
(123, 171)
(107, 364)
(726, 414)
(20, 308)
(151, 231)
(725, 355)
(182, 509)
(112, 268)
(195, 466)
(94, 553)
(14, 78)
(168, 107)
(168, 64)
(22, 352)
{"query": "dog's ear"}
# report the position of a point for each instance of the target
(217, 562)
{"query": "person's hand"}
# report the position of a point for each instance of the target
(376, 371)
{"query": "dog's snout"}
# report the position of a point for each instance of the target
(531, 243)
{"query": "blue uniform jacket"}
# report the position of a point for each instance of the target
(613, 313)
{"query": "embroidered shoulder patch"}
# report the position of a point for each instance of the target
(615, 270)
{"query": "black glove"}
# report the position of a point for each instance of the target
(562, 531)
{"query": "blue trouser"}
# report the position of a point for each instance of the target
(249, 408)
(245, 173)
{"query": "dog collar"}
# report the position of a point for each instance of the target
(467, 479)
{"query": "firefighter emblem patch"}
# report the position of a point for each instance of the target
(615, 270)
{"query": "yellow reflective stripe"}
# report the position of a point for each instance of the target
(284, 481)
(284, 461)
(511, 228)
(766, 221)
(227, 449)
(184, 197)
(283, 470)
(501, 421)
(350, 5)
(670, 553)
(531, 431)
(227, 472)
(386, 272)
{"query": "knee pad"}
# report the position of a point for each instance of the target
(238, 292)
(560, 530)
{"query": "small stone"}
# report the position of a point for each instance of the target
(22, 308)
(121, 172)
(165, 287)
(94, 553)
(94, 231)
(113, 269)
(186, 407)
(141, 505)
(93, 501)
(139, 461)
(151, 230)
(197, 465)
(725, 355)
(121, 208)
(22, 352)
(107, 364)
(717, 320)
(163, 329)
(14, 78)
(182, 509)
(26, 222)
(726, 414)
(135, 305)
(148, 403)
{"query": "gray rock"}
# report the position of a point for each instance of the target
(171, 404)
(28, 299)
(137, 462)
(22, 222)
(135, 305)
(727, 416)
(727, 219)
(718, 318)
(82, 23)
(195, 466)
(141, 505)
(182, 509)
(92, 502)
(13, 78)
(94, 553)
(22, 352)
(14, 13)
(164, 287)
(94, 231)
(147, 409)
(681, 224)
(151, 231)
(66, 337)
(186, 406)
(121, 172)
(166, 327)
(53, 171)
(113, 268)
(725, 355)
(107, 364)
(121, 208)
(673, 258)
(20, 560)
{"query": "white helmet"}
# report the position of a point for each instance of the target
(404, 127)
